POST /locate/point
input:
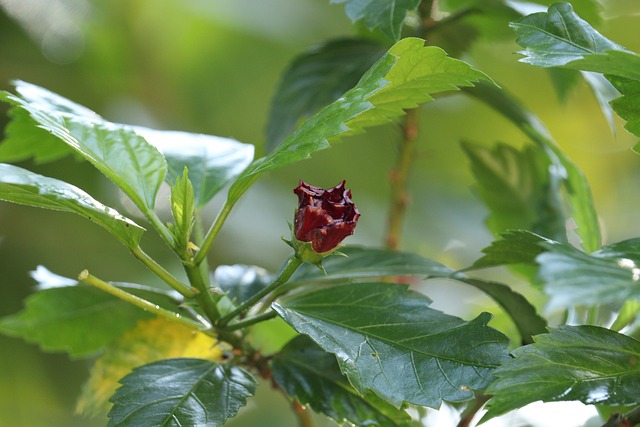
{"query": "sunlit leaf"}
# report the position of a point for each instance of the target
(388, 340)
(183, 210)
(513, 247)
(149, 341)
(628, 105)
(21, 186)
(181, 392)
(312, 376)
(406, 76)
(585, 363)
(387, 15)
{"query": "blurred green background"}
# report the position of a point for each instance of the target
(212, 66)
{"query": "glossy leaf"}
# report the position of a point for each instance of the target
(572, 277)
(388, 340)
(518, 190)
(387, 15)
(312, 376)
(406, 76)
(21, 186)
(149, 341)
(183, 210)
(118, 152)
(563, 170)
(586, 363)
(315, 79)
(363, 263)
(181, 392)
(79, 320)
(212, 161)
(241, 282)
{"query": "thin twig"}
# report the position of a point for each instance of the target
(303, 414)
(472, 410)
(630, 419)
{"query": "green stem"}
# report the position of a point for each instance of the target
(87, 278)
(250, 321)
(204, 297)
(211, 235)
(286, 273)
(159, 271)
(159, 226)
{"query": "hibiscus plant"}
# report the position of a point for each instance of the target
(366, 348)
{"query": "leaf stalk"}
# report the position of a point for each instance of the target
(163, 274)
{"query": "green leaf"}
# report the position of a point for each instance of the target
(572, 277)
(586, 363)
(406, 76)
(21, 186)
(513, 247)
(212, 161)
(563, 170)
(316, 78)
(560, 38)
(388, 340)
(79, 320)
(628, 105)
(387, 15)
(241, 282)
(312, 376)
(117, 151)
(517, 189)
(365, 263)
(181, 392)
(183, 209)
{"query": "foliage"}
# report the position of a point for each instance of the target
(367, 346)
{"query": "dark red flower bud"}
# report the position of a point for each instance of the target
(324, 217)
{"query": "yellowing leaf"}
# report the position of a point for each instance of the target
(149, 341)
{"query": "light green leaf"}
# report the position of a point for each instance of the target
(365, 263)
(406, 76)
(181, 392)
(513, 247)
(212, 161)
(388, 340)
(316, 78)
(518, 189)
(183, 209)
(79, 320)
(21, 186)
(117, 151)
(312, 376)
(628, 105)
(387, 15)
(560, 38)
(563, 170)
(586, 363)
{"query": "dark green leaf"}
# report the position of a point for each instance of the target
(181, 392)
(628, 105)
(572, 277)
(18, 185)
(406, 76)
(517, 188)
(183, 209)
(241, 281)
(117, 151)
(513, 247)
(212, 161)
(388, 340)
(361, 262)
(315, 79)
(562, 170)
(586, 363)
(312, 376)
(77, 319)
(387, 15)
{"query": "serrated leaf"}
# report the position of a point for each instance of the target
(572, 277)
(387, 15)
(212, 161)
(312, 376)
(79, 320)
(560, 38)
(388, 340)
(118, 152)
(21, 186)
(513, 247)
(563, 170)
(518, 189)
(628, 105)
(365, 263)
(241, 282)
(181, 392)
(183, 210)
(316, 78)
(586, 363)
(407, 75)
(149, 341)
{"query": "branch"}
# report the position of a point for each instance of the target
(630, 419)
